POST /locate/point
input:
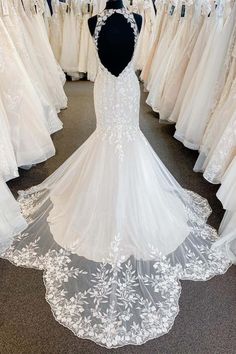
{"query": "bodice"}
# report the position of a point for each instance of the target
(117, 98)
(101, 21)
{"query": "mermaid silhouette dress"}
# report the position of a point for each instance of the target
(112, 229)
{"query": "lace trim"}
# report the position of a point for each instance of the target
(112, 307)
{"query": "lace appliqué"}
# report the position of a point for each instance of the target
(119, 138)
(131, 317)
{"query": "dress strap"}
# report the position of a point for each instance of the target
(105, 14)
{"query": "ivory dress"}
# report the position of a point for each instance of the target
(174, 63)
(112, 229)
(56, 26)
(26, 50)
(11, 220)
(36, 29)
(168, 33)
(70, 39)
(203, 35)
(219, 141)
(29, 134)
(204, 90)
(153, 45)
(227, 196)
(8, 164)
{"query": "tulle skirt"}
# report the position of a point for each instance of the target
(114, 233)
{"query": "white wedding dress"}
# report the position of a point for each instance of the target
(8, 164)
(28, 130)
(227, 196)
(11, 220)
(206, 85)
(112, 229)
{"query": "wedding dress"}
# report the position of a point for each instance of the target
(205, 87)
(26, 51)
(84, 39)
(8, 164)
(112, 229)
(169, 28)
(198, 49)
(227, 196)
(71, 39)
(56, 25)
(29, 135)
(47, 17)
(148, 14)
(171, 71)
(11, 220)
(52, 72)
(218, 145)
(153, 45)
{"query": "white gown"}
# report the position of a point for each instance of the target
(169, 28)
(70, 39)
(11, 220)
(204, 90)
(173, 66)
(56, 26)
(219, 141)
(227, 195)
(112, 229)
(52, 72)
(153, 45)
(198, 49)
(84, 39)
(146, 9)
(29, 135)
(26, 51)
(8, 164)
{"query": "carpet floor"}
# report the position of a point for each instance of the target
(206, 323)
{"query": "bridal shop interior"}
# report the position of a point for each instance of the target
(114, 239)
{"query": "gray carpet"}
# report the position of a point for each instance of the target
(207, 320)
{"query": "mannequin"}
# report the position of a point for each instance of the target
(116, 40)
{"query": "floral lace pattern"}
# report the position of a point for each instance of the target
(111, 306)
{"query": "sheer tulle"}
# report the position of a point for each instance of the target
(11, 220)
(113, 230)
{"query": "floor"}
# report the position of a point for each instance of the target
(207, 320)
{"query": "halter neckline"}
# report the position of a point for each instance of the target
(105, 14)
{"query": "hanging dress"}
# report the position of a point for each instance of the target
(29, 135)
(204, 89)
